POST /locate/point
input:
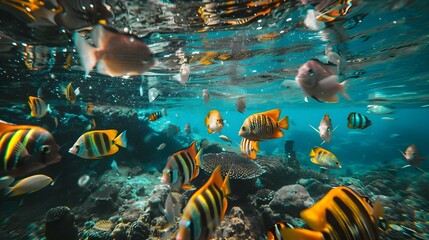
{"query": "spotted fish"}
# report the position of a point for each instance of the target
(264, 125)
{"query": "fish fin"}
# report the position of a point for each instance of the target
(300, 233)
(335, 128)
(315, 129)
(342, 91)
(333, 99)
(188, 187)
(421, 169)
(255, 145)
(210, 131)
(405, 166)
(86, 52)
(312, 153)
(77, 91)
(403, 154)
(7, 191)
(274, 114)
(252, 155)
(314, 160)
(277, 133)
(322, 142)
(198, 158)
(100, 35)
(305, 99)
(169, 209)
(284, 123)
(316, 99)
(121, 139)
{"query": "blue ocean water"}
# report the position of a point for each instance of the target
(384, 45)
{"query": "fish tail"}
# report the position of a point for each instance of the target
(300, 233)
(284, 123)
(225, 186)
(86, 53)
(7, 191)
(121, 139)
(342, 91)
(198, 158)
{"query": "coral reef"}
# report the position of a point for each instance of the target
(291, 199)
(60, 224)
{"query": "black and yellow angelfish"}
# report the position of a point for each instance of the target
(340, 214)
(99, 143)
(24, 149)
(205, 210)
(38, 107)
(182, 167)
(358, 121)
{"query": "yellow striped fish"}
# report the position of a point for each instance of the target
(26, 148)
(205, 210)
(71, 93)
(38, 107)
(358, 121)
(182, 167)
(264, 125)
(99, 143)
(155, 116)
(249, 148)
(333, 10)
(324, 158)
(340, 214)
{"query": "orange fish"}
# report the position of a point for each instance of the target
(264, 125)
(206, 209)
(38, 107)
(214, 121)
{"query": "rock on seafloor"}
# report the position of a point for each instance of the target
(291, 199)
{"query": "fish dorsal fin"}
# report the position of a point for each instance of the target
(216, 178)
(100, 35)
(327, 118)
(274, 114)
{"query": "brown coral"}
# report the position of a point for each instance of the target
(103, 225)
(239, 167)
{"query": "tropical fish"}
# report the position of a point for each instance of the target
(225, 138)
(187, 128)
(325, 129)
(161, 146)
(324, 158)
(249, 148)
(29, 185)
(206, 209)
(240, 105)
(357, 121)
(276, 232)
(99, 143)
(379, 109)
(172, 130)
(71, 93)
(153, 94)
(320, 81)
(412, 156)
(331, 10)
(388, 118)
(264, 125)
(155, 116)
(5, 181)
(89, 108)
(171, 209)
(114, 166)
(340, 214)
(214, 121)
(38, 107)
(116, 54)
(185, 72)
(26, 148)
(182, 167)
(91, 125)
(206, 96)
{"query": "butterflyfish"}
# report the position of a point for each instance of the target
(214, 121)
(38, 107)
(324, 158)
(206, 209)
(99, 143)
(264, 125)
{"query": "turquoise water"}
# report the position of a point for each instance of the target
(384, 45)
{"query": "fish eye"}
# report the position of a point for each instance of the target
(310, 71)
(243, 128)
(45, 149)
